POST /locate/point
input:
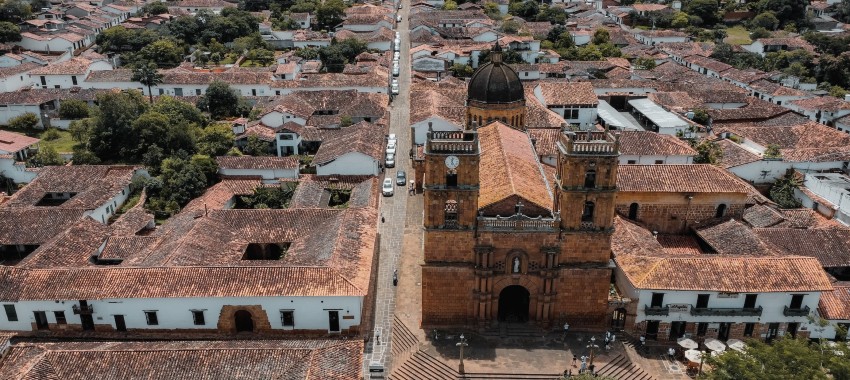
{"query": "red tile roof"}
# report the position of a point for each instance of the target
(678, 179)
(567, 93)
(835, 305)
(363, 137)
(642, 143)
(259, 162)
(11, 142)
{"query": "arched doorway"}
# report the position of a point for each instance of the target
(618, 319)
(513, 304)
(244, 321)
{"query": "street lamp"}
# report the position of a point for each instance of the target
(461, 344)
(701, 360)
(592, 346)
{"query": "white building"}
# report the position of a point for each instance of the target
(268, 168)
(650, 148)
(657, 118)
(67, 74)
(576, 102)
(354, 150)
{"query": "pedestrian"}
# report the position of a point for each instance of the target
(607, 339)
(613, 338)
(575, 359)
(382, 219)
(583, 364)
(395, 277)
(672, 353)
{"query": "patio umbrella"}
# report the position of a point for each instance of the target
(736, 344)
(687, 343)
(693, 355)
(715, 345)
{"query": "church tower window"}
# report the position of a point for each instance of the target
(587, 214)
(590, 179)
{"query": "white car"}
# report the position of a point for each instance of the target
(388, 187)
(391, 138)
(391, 148)
(395, 71)
(394, 89)
(396, 56)
(395, 82)
(397, 48)
(398, 18)
(397, 34)
(390, 161)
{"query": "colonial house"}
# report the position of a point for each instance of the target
(575, 101)
(67, 74)
(763, 46)
(354, 150)
(650, 148)
(269, 169)
(822, 109)
(653, 37)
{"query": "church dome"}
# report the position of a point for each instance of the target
(495, 82)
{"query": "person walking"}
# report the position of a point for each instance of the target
(395, 277)
(583, 364)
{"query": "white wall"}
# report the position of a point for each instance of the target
(8, 112)
(352, 163)
(266, 174)
(111, 206)
(176, 313)
(755, 171)
(15, 82)
(275, 119)
(17, 171)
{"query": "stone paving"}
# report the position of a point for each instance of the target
(393, 211)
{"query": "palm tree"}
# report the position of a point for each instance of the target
(147, 75)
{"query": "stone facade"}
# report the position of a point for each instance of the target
(227, 318)
(481, 114)
(676, 213)
(473, 270)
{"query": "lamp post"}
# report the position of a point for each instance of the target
(461, 344)
(701, 360)
(591, 346)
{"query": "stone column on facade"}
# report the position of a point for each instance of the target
(483, 272)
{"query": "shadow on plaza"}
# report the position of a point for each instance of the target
(483, 347)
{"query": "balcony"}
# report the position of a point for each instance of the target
(789, 312)
(88, 310)
(727, 311)
(656, 310)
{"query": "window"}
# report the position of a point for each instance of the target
(151, 318)
(74, 79)
(633, 211)
(197, 91)
(253, 92)
(11, 313)
(796, 301)
(161, 91)
(702, 300)
(631, 162)
(702, 328)
(451, 178)
(792, 329)
(43, 81)
(748, 329)
(56, 86)
(657, 300)
(659, 162)
(590, 179)
(721, 210)
(570, 114)
(178, 92)
(198, 317)
(60, 317)
(750, 301)
(450, 214)
(587, 214)
(287, 318)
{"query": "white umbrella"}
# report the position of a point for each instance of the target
(693, 355)
(715, 345)
(687, 343)
(736, 344)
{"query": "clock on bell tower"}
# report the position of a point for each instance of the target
(450, 184)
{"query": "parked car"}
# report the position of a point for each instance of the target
(391, 148)
(398, 34)
(391, 137)
(395, 82)
(400, 178)
(388, 187)
(398, 18)
(395, 71)
(390, 161)
(394, 89)
(396, 56)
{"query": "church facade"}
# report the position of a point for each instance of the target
(505, 242)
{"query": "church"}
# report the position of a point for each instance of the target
(506, 239)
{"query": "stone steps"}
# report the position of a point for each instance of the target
(403, 339)
(621, 368)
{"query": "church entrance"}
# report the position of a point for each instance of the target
(513, 304)
(244, 321)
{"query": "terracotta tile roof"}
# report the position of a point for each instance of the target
(733, 238)
(25, 67)
(808, 142)
(180, 75)
(312, 190)
(794, 42)
(308, 104)
(73, 66)
(679, 244)
(822, 103)
(734, 155)
(374, 78)
(649, 7)
(251, 162)
(11, 142)
(363, 137)
(772, 88)
(380, 35)
(760, 216)
(744, 76)
(196, 360)
(678, 179)
(34, 226)
(709, 63)
(511, 167)
(567, 93)
(204, 4)
(640, 143)
(544, 140)
(38, 96)
(536, 114)
(755, 110)
(116, 75)
(835, 305)
(93, 185)
(831, 246)
(219, 195)
(675, 100)
(807, 218)
(445, 99)
(73, 247)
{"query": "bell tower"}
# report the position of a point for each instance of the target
(450, 183)
(587, 180)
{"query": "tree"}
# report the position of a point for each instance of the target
(491, 9)
(215, 140)
(759, 32)
(589, 53)
(148, 75)
(46, 156)
(786, 358)
(26, 120)
(152, 9)
(680, 20)
(461, 71)
(329, 13)
(786, 11)
(555, 33)
(708, 152)
(181, 180)
(15, 11)
(772, 151)
(73, 109)
(526, 9)
(184, 28)
(257, 147)
(644, 63)
(221, 101)
(111, 137)
(508, 56)
(766, 20)
(782, 191)
(166, 53)
(9, 32)
(701, 116)
(449, 5)
(510, 27)
(178, 111)
(206, 165)
(707, 10)
(601, 36)
(335, 56)
(261, 56)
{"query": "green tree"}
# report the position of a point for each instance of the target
(680, 20)
(449, 5)
(786, 358)
(329, 13)
(166, 53)
(15, 11)
(786, 11)
(759, 32)
(148, 75)
(526, 9)
(644, 63)
(215, 140)
(257, 147)
(73, 109)
(81, 130)
(222, 101)
(772, 151)
(46, 156)
(83, 156)
(837, 91)
(461, 71)
(184, 28)
(601, 36)
(708, 152)
(178, 111)
(206, 165)
(156, 8)
(111, 137)
(701, 116)
(9, 32)
(706, 10)
(491, 9)
(589, 52)
(181, 180)
(510, 27)
(765, 20)
(508, 56)
(261, 56)
(782, 191)
(26, 120)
